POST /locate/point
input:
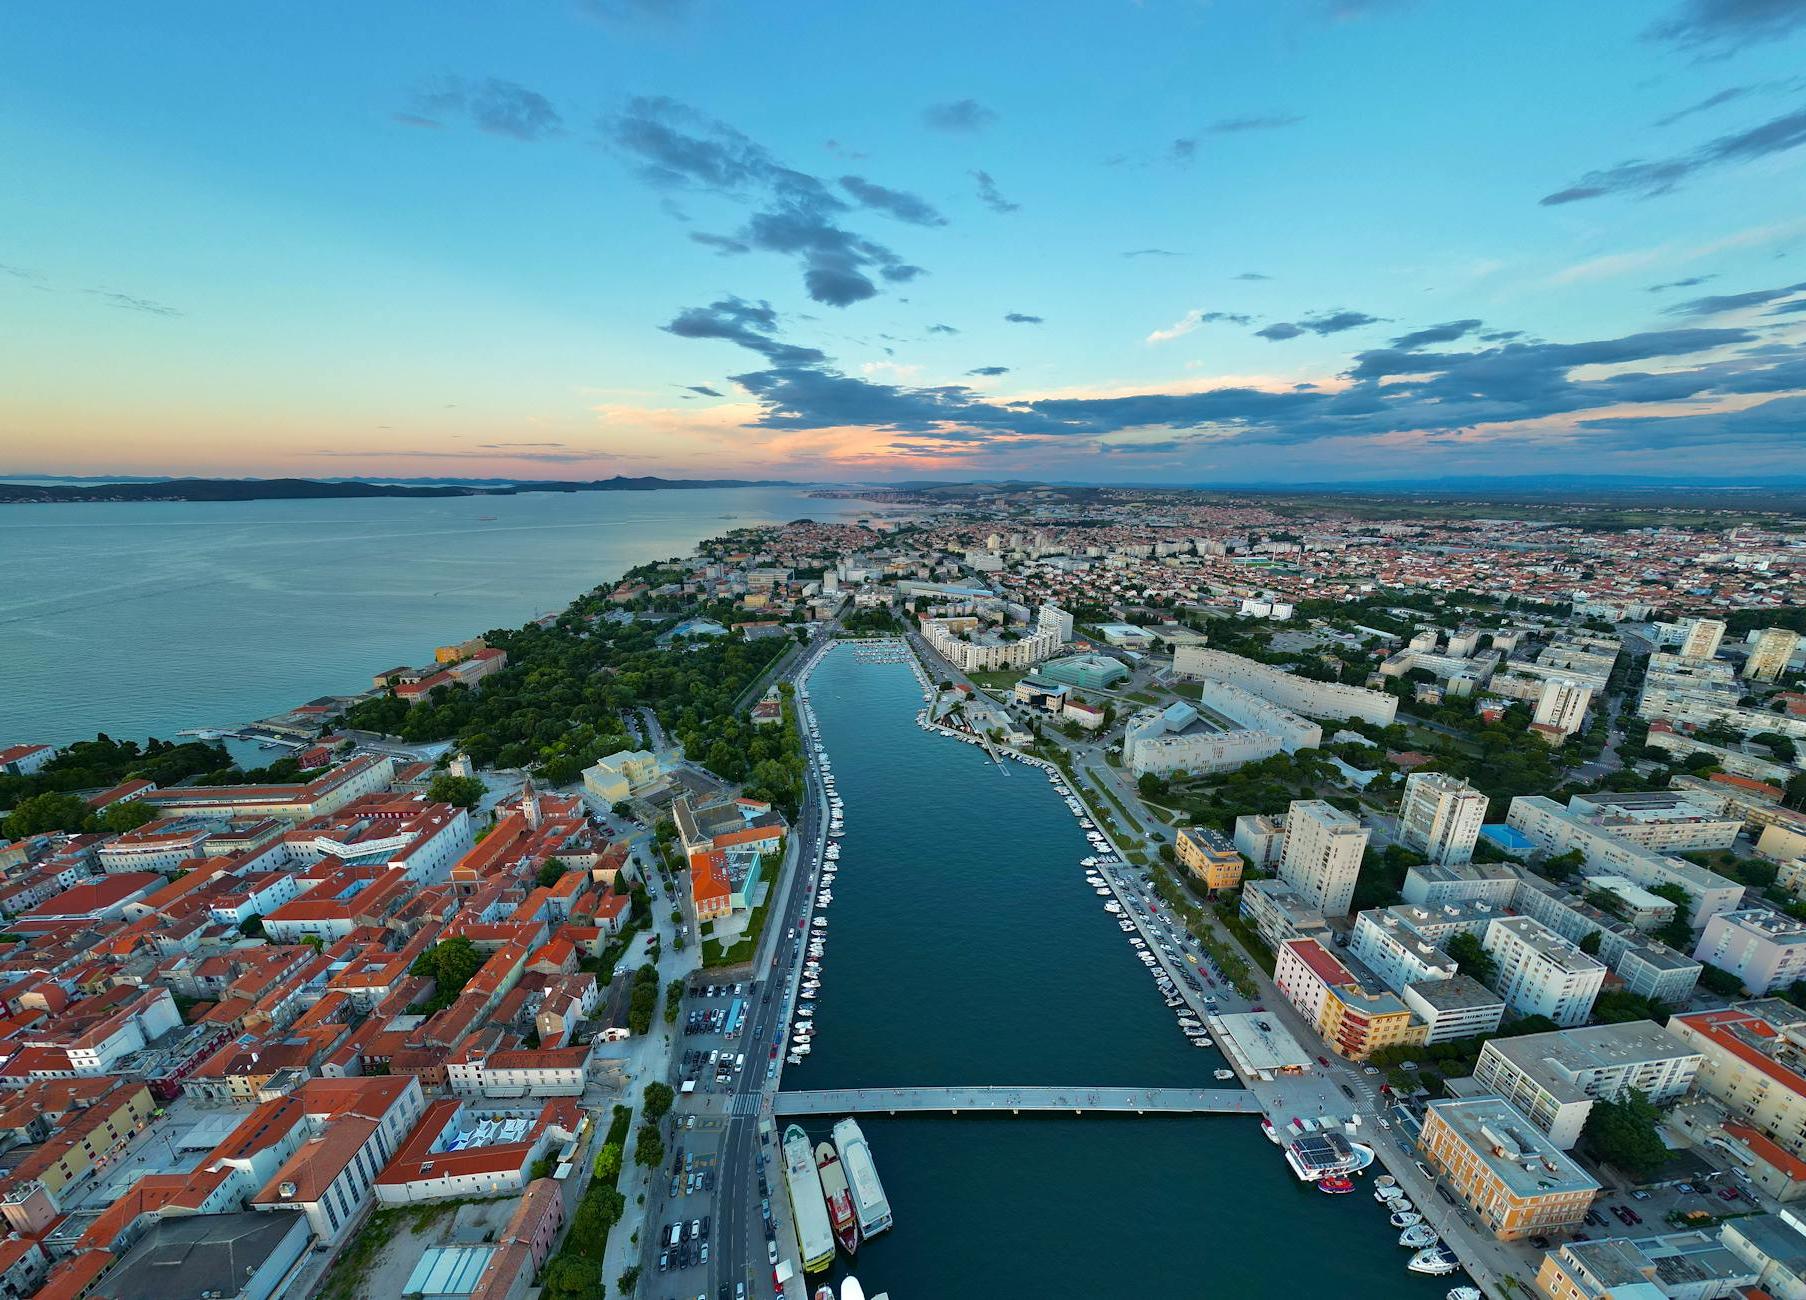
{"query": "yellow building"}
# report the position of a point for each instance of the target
(1210, 858)
(622, 775)
(451, 654)
(1515, 1179)
(1356, 1016)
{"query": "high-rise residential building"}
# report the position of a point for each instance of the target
(1563, 704)
(1701, 640)
(1760, 946)
(1441, 816)
(1322, 857)
(1770, 654)
(1540, 973)
(1554, 1079)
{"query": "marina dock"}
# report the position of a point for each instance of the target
(1128, 1101)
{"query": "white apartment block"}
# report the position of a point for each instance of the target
(1770, 653)
(1396, 951)
(1562, 703)
(1278, 912)
(1540, 973)
(1555, 830)
(1299, 694)
(1174, 740)
(1460, 1007)
(1554, 1079)
(988, 656)
(1441, 816)
(1664, 820)
(1763, 948)
(1251, 711)
(1261, 839)
(1323, 852)
(1701, 639)
(1465, 882)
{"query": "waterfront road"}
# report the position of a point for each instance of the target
(990, 1098)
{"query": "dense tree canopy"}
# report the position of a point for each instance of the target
(1623, 1133)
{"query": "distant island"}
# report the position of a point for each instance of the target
(291, 489)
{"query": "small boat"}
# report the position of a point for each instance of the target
(1266, 1126)
(1386, 1195)
(1434, 1260)
(1385, 1180)
(851, 1290)
(1223, 1076)
(1417, 1236)
(1405, 1219)
(823, 1292)
(1335, 1185)
(1465, 1293)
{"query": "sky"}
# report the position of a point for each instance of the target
(1148, 241)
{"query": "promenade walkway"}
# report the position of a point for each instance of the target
(1003, 1097)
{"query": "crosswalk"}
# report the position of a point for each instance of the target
(745, 1103)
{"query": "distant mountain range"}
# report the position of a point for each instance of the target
(290, 489)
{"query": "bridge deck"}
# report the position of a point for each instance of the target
(1133, 1101)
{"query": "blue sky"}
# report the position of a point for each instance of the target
(1305, 239)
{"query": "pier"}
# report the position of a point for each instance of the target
(1004, 1097)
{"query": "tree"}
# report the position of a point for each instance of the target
(1564, 865)
(621, 808)
(657, 1099)
(251, 927)
(1151, 786)
(1621, 1006)
(1589, 943)
(549, 873)
(650, 1149)
(42, 813)
(1470, 958)
(1623, 1134)
(127, 816)
(1717, 979)
(631, 1278)
(464, 791)
(449, 964)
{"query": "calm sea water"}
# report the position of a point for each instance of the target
(144, 618)
(965, 947)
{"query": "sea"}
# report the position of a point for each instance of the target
(144, 618)
(964, 947)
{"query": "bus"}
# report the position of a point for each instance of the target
(736, 1013)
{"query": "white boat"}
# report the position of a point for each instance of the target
(1385, 1180)
(1387, 1195)
(1404, 1219)
(1465, 1293)
(1203, 1042)
(851, 1290)
(1223, 1076)
(1435, 1260)
(1417, 1236)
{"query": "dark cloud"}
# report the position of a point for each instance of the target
(1253, 122)
(958, 115)
(1022, 318)
(1724, 26)
(1252, 275)
(1646, 179)
(1184, 149)
(897, 203)
(990, 371)
(1723, 302)
(726, 245)
(1323, 323)
(841, 150)
(793, 213)
(131, 302)
(1152, 252)
(703, 390)
(1789, 308)
(943, 329)
(492, 104)
(991, 196)
(751, 325)
(1709, 102)
(1447, 332)
(1689, 282)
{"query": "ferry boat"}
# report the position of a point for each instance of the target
(869, 1201)
(1434, 1260)
(808, 1205)
(839, 1196)
(1417, 1236)
(1321, 1155)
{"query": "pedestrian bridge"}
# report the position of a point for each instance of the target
(1127, 1101)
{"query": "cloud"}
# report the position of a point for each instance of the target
(1254, 122)
(1722, 27)
(1152, 252)
(1687, 283)
(1789, 308)
(990, 371)
(493, 105)
(792, 213)
(131, 302)
(897, 203)
(1021, 318)
(496, 446)
(1724, 96)
(1184, 149)
(703, 390)
(1447, 332)
(1648, 179)
(726, 245)
(1323, 323)
(943, 329)
(1251, 275)
(1192, 319)
(751, 325)
(958, 115)
(1716, 304)
(991, 196)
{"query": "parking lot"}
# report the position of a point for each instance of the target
(714, 1023)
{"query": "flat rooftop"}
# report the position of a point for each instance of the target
(1520, 1157)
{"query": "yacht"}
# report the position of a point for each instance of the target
(1405, 1219)
(1434, 1260)
(1266, 1126)
(1417, 1236)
